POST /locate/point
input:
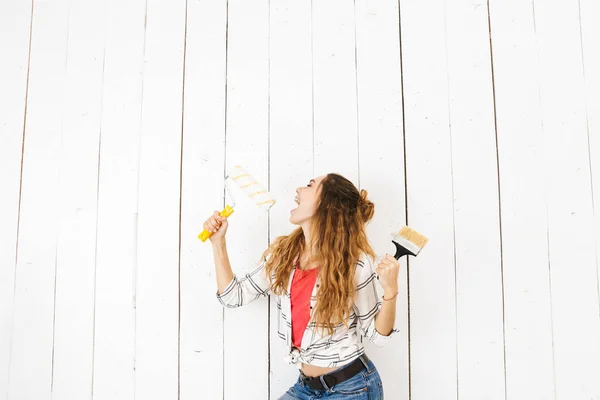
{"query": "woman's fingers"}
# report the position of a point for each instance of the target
(214, 222)
(389, 261)
(387, 265)
(211, 225)
(387, 271)
(216, 225)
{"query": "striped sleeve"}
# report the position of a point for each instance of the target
(240, 292)
(368, 301)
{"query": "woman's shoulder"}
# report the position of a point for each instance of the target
(363, 259)
(364, 267)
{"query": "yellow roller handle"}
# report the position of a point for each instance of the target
(226, 212)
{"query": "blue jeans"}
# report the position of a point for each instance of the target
(366, 385)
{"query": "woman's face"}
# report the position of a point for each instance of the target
(307, 198)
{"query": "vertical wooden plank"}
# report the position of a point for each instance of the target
(479, 318)
(572, 253)
(334, 89)
(15, 23)
(291, 143)
(430, 201)
(381, 160)
(247, 132)
(30, 374)
(114, 335)
(201, 348)
(158, 229)
(527, 307)
(77, 210)
(590, 31)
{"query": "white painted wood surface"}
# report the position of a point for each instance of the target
(15, 22)
(479, 313)
(432, 299)
(129, 113)
(573, 275)
(291, 143)
(590, 32)
(334, 89)
(246, 330)
(201, 349)
(77, 203)
(32, 355)
(158, 223)
(381, 163)
(527, 303)
(114, 334)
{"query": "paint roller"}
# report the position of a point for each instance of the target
(250, 186)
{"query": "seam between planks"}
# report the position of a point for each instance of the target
(547, 212)
(97, 204)
(184, 61)
(587, 127)
(20, 194)
(499, 193)
(224, 176)
(405, 194)
(453, 205)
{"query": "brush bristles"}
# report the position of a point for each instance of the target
(413, 236)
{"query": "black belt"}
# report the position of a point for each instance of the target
(327, 381)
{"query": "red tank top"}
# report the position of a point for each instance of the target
(300, 293)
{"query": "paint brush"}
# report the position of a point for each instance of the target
(408, 242)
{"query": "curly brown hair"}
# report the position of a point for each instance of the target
(339, 239)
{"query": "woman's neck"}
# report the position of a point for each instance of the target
(307, 259)
(307, 231)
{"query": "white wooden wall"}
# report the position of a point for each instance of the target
(477, 123)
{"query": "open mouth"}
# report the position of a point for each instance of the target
(297, 202)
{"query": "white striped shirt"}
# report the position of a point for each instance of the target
(335, 350)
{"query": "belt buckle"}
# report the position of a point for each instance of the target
(364, 360)
(323, 380)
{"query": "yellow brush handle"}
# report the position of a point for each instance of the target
(226, 212)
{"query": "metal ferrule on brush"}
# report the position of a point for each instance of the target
(404, 247)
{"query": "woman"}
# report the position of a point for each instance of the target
(328, 294)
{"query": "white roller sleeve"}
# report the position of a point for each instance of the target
(254, 190)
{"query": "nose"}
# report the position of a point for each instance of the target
(297, 190)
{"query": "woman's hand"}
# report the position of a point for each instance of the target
(387, 270)
(217, 225)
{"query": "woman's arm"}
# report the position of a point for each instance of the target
(222, 265)
(387, 270)
(386, 318)
(231, 291)
(239, 292)
(368, 305)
